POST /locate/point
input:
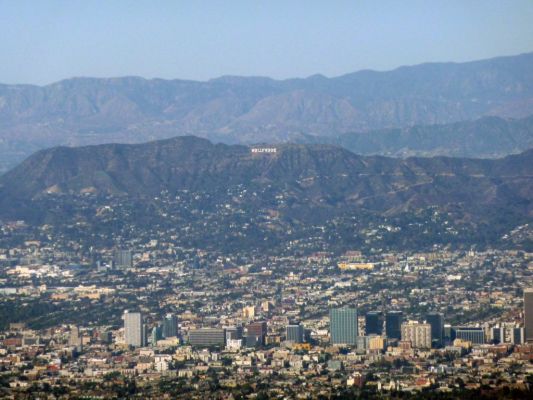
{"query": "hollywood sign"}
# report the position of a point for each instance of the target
(264, 150)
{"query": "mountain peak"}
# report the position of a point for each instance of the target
(247, 110)
(329, 176)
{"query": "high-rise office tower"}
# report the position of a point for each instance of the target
(517, 335)
(393, 324)
(374, 323)
(343, 325)
(170, 326)
(256, 332)
(134, 332)
(436, 320)
(447, 333)
(528, 315)
(295, 333)
(207, 337)
(497, 335)
(258, 328)
(471, 334)
(123, 258)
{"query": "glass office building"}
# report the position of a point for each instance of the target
(170, 326)
(436, 320)
(528, 314)
(343, 326)
(373, 323)
(473, 335)
(393, 324)
(295, 333)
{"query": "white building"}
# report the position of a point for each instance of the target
(161, 362)
(134, 334)
(233, 344)
(418, 334)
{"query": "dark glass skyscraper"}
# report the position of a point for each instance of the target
(528, 315)
(498, 335)
(518, 335)
(374, 323)
(393, 324)
(295, 333)
(343, 326)
(256, 333)
(170, 326)
(436, 320)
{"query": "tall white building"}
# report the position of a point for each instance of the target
(418, 334)
(134, 334)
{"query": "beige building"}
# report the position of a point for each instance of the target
(419, 335)
(376, 343)
(248, 312)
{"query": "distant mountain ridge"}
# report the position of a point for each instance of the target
(487, 137)
(249, 110)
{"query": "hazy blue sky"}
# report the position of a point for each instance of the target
(45, 41)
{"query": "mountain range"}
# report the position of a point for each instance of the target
(311, 179)
(246, 110)
(487, 137)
